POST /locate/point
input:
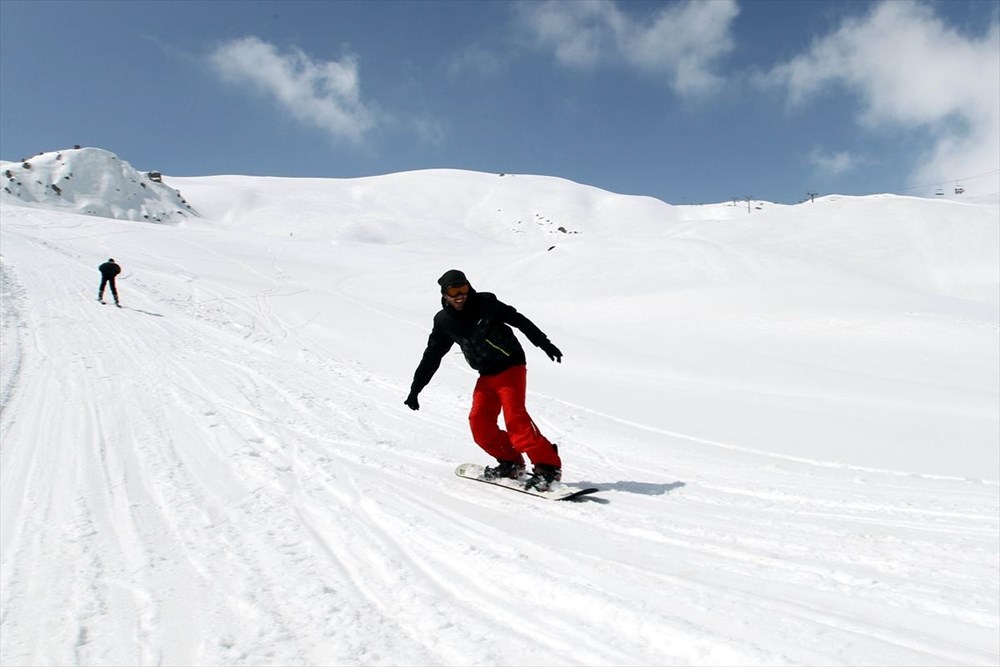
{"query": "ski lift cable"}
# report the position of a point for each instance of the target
(939, 184)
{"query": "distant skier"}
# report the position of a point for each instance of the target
(109, 271)
(478, 322)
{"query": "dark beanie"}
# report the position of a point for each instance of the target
(452, 278)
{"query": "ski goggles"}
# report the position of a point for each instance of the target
(460, 290)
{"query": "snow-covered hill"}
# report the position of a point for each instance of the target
(792, 415)
(91, 181)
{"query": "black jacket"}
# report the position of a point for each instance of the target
(109, 270)
(481, 330)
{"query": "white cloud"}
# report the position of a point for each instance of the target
(682, 42)
(834, 163)
(325, 95)
(582, 34)
(910, 70)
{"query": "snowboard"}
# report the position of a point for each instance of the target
(559, 491)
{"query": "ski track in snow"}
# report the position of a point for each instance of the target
(193, 480)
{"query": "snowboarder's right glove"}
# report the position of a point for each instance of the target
(411, 401)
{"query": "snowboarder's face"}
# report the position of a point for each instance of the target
(456, 296)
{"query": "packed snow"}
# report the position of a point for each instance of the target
(792, 414)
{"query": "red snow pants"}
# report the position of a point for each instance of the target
(506, 391)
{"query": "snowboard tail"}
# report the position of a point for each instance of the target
(558, 491)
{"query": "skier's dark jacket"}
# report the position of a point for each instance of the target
(109, 270)
(481, 330)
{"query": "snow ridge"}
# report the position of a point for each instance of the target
(92, 181)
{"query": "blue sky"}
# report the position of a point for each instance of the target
(689, 102)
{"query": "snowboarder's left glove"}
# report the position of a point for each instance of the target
(411, 402)
(552, 351)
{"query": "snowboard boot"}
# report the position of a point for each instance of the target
(504, 470)
(543, 477)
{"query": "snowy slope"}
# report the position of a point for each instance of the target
(792, 415)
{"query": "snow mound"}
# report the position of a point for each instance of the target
(92, 181)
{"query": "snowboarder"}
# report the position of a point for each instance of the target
(109, 271)
(480, 324)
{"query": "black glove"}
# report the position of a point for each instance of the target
(552, 351)
(411, 402)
